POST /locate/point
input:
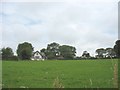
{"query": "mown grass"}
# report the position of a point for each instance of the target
(71, 73)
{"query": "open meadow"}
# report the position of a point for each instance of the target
(66, 73)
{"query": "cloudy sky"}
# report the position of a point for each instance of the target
(85, 24)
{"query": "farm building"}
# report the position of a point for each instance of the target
(37, 56)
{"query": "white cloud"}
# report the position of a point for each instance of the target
(83, 24)
(70, 1)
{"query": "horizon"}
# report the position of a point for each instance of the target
(92, 55)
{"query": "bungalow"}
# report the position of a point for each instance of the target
(37, 56)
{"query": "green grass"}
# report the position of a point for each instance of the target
(71, 73)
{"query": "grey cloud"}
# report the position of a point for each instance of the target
(86, 26)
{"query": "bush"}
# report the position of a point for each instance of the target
(14, 58)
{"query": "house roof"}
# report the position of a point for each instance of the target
(42, 54)
(37, 52)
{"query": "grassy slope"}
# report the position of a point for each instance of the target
(72, 74)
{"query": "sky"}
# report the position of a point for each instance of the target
(84, 24)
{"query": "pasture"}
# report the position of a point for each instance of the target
(70, 73)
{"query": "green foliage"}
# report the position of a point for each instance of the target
(85, 54)
(14, 58)
(44, 51)
(100, 52)
(71, 73)
(7, 53)
(52, 50)
(106, 53)
(68, 52)
(110, 53)
(117, 48)
(55, 51)
(24, 51)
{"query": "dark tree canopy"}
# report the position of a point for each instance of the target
(110, 53)
(105, 53)
(24, 51)
(100, 52)
(52, 50)
(56, 51)
(7, 53)
(117, 48)
(43, 50)
(68, 52)
(86, 54)
(44, 53)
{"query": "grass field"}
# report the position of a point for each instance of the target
(71, 73)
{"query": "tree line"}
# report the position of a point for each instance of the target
(58, 52)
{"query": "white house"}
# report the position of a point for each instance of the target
(37, 56)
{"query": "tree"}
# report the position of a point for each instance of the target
(86, 54)
(44, 53)
(24, 51)
(117, 48)
(43, 50)
(7, 53)
(68, 52)
(110, 53)
(100, 53)
(52, 50)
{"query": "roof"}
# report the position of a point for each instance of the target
(37, 52)
(42, 54)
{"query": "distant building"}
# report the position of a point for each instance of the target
(37, 56)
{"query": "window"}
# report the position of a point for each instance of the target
(36, 53)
